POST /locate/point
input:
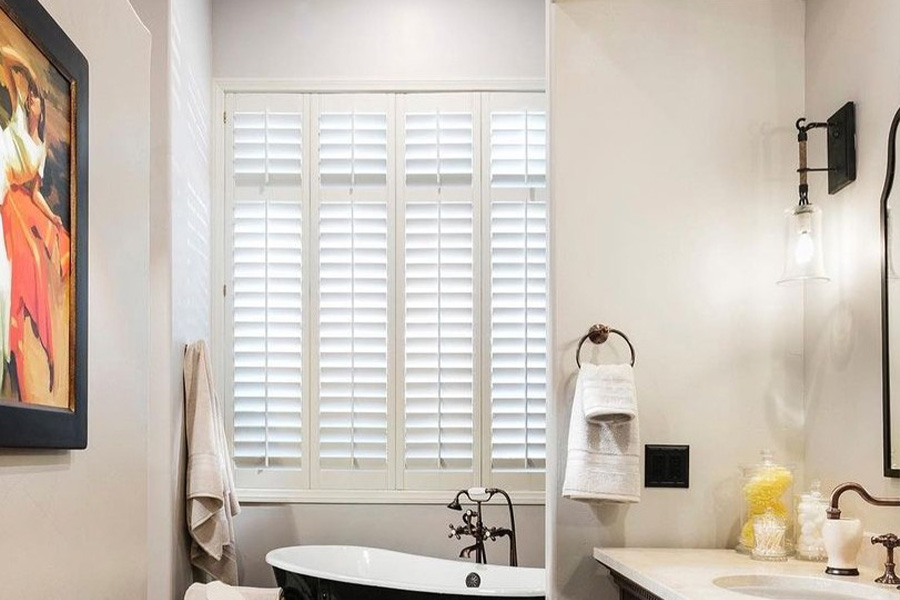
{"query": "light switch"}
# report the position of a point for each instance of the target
(666, 466)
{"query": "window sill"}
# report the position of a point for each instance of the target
(261, 496)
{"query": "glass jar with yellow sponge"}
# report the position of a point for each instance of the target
(766, 487)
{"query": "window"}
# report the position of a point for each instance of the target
(385, 273)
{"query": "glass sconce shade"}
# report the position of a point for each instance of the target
(803, 259)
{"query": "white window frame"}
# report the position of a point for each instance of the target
(265, 489)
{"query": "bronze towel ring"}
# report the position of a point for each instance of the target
(598, 334)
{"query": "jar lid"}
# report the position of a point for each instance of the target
(815, 492)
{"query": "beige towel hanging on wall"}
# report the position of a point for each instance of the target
(211, 502)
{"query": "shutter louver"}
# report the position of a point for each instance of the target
(353, 293)
(518, 238)
(266, 259)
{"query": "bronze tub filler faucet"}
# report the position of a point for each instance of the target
(888, 540)
(474, 525)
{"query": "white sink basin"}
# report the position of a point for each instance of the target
(790, 587)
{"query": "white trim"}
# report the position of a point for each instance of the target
(222, 304)
(222, 85)
(217, 272)
(289, 496)
(552, 447)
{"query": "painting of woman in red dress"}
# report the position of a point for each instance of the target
(34, 214)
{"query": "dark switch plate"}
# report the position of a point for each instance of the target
(667, 466)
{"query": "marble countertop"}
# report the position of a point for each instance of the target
(687, 574)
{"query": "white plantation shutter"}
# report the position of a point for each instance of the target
(385, 306)
(438, 200)
(264, 236)
(353, 290)
(518, 283)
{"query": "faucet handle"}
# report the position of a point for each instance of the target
(888, 540)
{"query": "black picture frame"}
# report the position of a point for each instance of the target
(23, 425)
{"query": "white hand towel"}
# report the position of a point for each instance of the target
(603, 461)
(608, 393)
(211, 500)
(220, 591)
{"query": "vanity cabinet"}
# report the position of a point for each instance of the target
(629, 590)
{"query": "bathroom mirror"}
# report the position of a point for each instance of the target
(890, 320)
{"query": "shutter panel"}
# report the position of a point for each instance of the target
(353, 415)
(265, 241)
(518, 280)
(439, 292)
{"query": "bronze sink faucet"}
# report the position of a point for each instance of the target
(834, 511)
(474, 526)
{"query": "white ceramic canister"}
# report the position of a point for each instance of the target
(843, 539)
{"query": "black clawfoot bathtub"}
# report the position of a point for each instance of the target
(354, 573)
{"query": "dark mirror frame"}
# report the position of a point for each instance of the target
(30, 427)
(889, 469)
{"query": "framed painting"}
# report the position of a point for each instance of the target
(43, 231)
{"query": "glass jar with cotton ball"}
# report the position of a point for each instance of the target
(811, 515)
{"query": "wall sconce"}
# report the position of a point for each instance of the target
(804, 260)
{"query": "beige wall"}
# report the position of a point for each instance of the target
(390, 39)
(73, 524)
(357, 41)
(162, 540)
(179, 261)
(852, 53)
(673, 156)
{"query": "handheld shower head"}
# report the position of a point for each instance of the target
(455, 505)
